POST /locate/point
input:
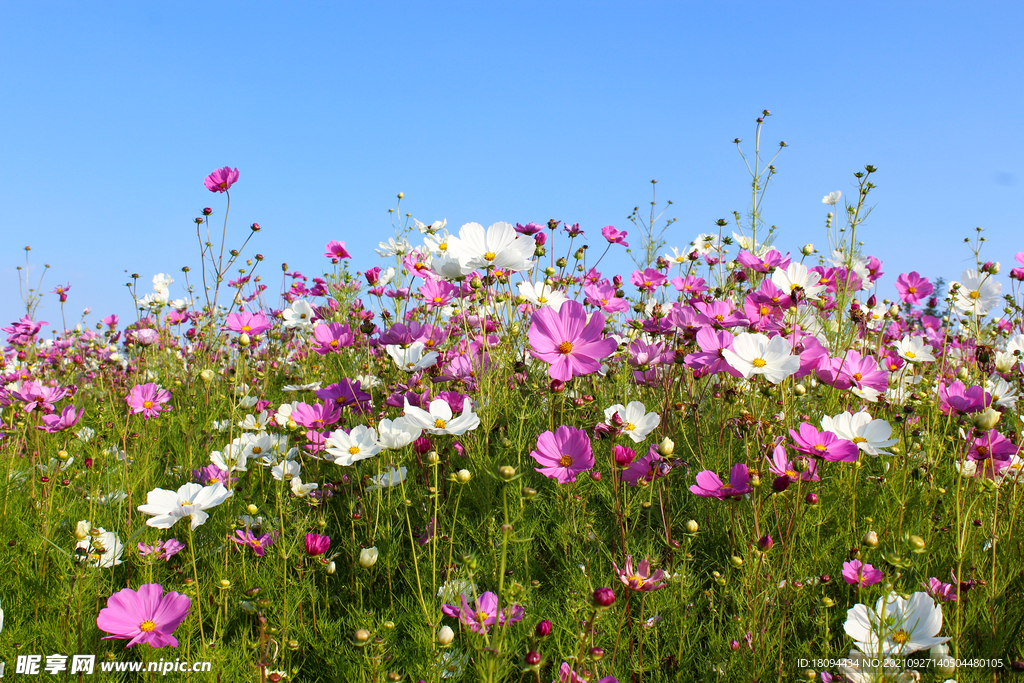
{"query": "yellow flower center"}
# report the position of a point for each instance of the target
(859, 439)
(901, 636)
(147, 404)
(438, 299)
(443, 246)
(565, 347)
(857, 376)
(147, 625)
(542, 299)
(222, 186)
(764, 310)
(758, 363)
(246, 328)
(639, 581)
(910, 354)
(820, 447)
(354, 450)
(439, 423)
(334, 343)
(912, 290)
(490, 256)
(792, 474)
(482, 616)
(628, 427)
(565, 461)
(975, 294)
(256, 450)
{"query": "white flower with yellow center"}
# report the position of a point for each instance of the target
(541, 294)
(913, 349)
(637, 423)
(797, 276)
(871, 436)
(439, 418)
(977, 293)
(359, 444)
(897, 626)
(190, 500)
(499, 246)
(414, 357)
(396, 434)
(756, 354)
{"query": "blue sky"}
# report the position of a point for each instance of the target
(115, 112)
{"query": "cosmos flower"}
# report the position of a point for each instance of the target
(438, 419)
(896, 626)
(144, 616)
(148, 399)
(856, 573)
(976, 293)
(486, 612)
(568, 342)
(190, 500)
(633, 420)
(913, 288)
(337, 250)
(359, 444)
(710, 486)
(641, 578)
(222, 179)
(563, 454)
(756, 354)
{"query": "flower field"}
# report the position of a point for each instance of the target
(489, 457)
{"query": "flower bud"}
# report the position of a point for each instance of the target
(543, 629)
(667, 447)
(596, 653)
(533, 658)
(765, 543)
(463, 476)
(736, 561)
(506, 472)
(807, 249)
(445, 635)
(916, 544)
(963, 374)
(811, 498)
(734, 645)
(603, 597)
(82, 530)
(331, 568)
(244, 340)
(986, 419)
(943, 663)
(361, 635)
(691, 526)
(870, 539)
(799, 390)
(368, 557)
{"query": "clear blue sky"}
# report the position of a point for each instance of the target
(114, 112)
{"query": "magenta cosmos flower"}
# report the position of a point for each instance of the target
(858, 574)
(641, 578)
(913, 288)
(824, 445)
(247, 323)
(337, 250)
(317, 544)
(147, 616)
(148, 399)
(614, 236)
(221, 179)
(710, 486)
(486, 612)
(563, 453)
(565, 340)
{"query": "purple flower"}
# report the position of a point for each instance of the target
(317, 544)
(857, 573)
(710, 486)
(486, 612)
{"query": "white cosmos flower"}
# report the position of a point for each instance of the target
(747, 243)
(299, 316)
(101, 551)
(162, 281)
(832, 197)
(398, 433)
(359, 444)
(312, 386)
(302, 490)
(413, 357)
(798, 276)
(190, 500)
(1015, 344)
(285, 470)
(896, 626)
(437, 243)
(233, 459)
(860, 668)
(913, 349)
(393, 247)
(755, 354)
(283, 416)
(542, 294)
(255, 422)
(704, 244)
(978, 293)
(1003, 393)
(637, 423)
(871, 436)
(439, 419)
(432, 228)
(387, 480)
(499, 246)
(448, 267)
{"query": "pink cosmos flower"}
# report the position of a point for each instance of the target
(647, 468)
(641, 578)
(147, 616)
(221, 179)
(824, 445)
(690, 284)
(710, 486)
(614, 236)
(1018, 273)
(486, 612)
(316, 416)
(565, 340)
(780, 465)
(317, 544)
(247, 323)
(938, 590)
(955, 398)
(69, 417)
(163, 550)
(563, 453)
(257, 543)
(337, 250)
(857, 573)
(603, 296)
(710, 360)
(332, 337)
(992, 452)
(148, 399)
(647, 280)
(913, 288)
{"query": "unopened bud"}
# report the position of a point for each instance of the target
(691, 526)
(368, 557)
(986, 419)
(807, 249)
(463, 476)
(445, 635)
(506, 472)
(870, 539)
(916, 544)
(667, 447)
